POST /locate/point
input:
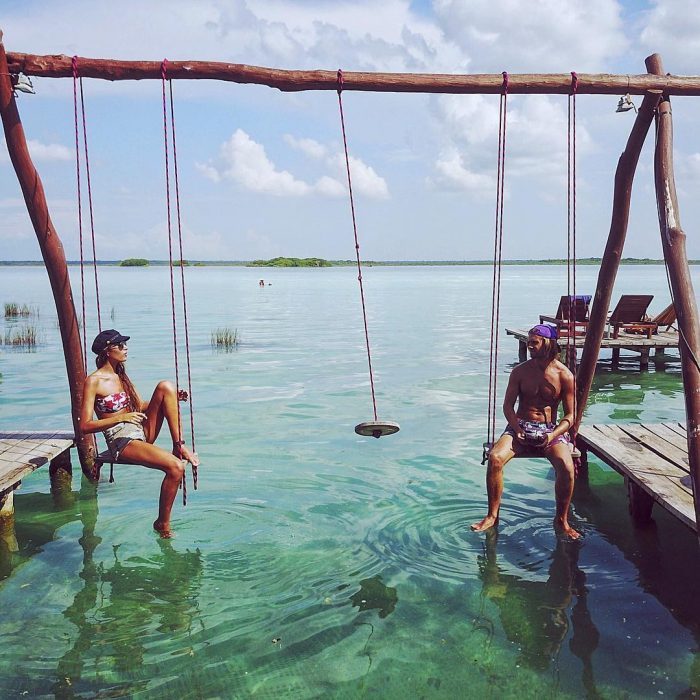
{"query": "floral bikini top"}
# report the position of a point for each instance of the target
(112, 402)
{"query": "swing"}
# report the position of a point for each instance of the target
(106, 457)
(528, 451)
(373, 428)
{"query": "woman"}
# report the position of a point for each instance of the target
(131, 425)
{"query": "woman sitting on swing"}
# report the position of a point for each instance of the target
(130, 424)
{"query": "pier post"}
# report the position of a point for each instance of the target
(683, 296)
(53, 255)
(624, 176)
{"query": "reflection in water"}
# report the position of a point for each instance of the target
(374, 595)
(536, 615)
(118, 606)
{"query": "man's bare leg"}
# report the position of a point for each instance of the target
(560, 457)
(501, 453)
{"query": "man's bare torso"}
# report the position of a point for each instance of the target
(539, 390)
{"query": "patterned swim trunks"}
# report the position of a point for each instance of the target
(533, 426)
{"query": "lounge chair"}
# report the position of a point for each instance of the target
(630, 314)
(663, 320)
(571, 317)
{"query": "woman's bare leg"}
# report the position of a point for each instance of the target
(153, 457)
(164, 406)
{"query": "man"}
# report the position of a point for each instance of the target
(538, 385)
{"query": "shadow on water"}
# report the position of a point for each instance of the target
(538, 616)
(663, 552)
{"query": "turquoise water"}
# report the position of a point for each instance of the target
(315, 563)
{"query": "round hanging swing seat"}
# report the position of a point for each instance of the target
(377, 428)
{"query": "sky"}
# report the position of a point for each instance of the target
(262, 172)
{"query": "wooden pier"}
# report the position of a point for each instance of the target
(653, 458)
(24, 451)
(659, 342)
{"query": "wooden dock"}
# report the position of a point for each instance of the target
(653, 458)
(659, 342)
(24, 451)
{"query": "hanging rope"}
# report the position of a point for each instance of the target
(80, 209)
(497, 266)
(92, 218)
(571, 236)
(182, 278)
(357, 244)
(163, 75)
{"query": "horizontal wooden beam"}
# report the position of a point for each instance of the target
(61, 66)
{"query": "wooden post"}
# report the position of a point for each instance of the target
(54, 257)
(624, 176)
(673, 242)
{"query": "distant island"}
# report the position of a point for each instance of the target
(320, 262)
(291, 262)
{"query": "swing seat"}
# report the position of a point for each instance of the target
(377, 428)
(533, 453)
(105, 457)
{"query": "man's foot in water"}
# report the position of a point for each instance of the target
(163, 530)
(488, 522)
(561, 526)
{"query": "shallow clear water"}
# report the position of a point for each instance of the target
(315, 563)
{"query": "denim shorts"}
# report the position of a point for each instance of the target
(120, 435)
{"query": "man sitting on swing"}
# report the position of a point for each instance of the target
(538, 385)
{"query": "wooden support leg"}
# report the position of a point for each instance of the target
(8, 539)
(658, 352)
(61, 474)
(582, 465)
(522, 350)
(640, 503)
(644, 358)
(615, 357)
(61, 462)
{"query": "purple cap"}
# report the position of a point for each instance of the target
(545, 331)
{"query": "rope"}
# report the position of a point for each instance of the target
(92, 218)
(182, 279)
(80, 209)
(163, 70)
(571, 237)
(497, 260)
(357, 244)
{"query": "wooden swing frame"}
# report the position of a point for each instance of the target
(656, 87)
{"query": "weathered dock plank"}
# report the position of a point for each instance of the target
(24, 451)
(653, 457)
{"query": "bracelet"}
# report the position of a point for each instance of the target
(178, 442)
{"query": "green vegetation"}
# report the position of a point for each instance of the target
(180, 263)
(25, 337)
(224, 339)
(291, 262)
(13, 310)
(134, 262)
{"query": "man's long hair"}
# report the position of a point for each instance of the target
(552, 348)
(129, 388)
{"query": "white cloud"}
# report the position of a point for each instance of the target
(41, 152)
(245, 162)
(453, 174)
(311, 148)
(537, 36)
(672, 28)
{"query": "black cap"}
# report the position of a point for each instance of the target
(108, 337)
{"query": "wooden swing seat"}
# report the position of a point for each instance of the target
(534, 453)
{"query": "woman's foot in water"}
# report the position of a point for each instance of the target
(163, 530)
(488, 522)
(561, 526)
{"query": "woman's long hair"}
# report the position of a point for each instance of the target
(129, 388)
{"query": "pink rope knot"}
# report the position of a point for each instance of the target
(340, 81)
(163, 69)
(505, 82)
(74, 62)
(574, 82)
